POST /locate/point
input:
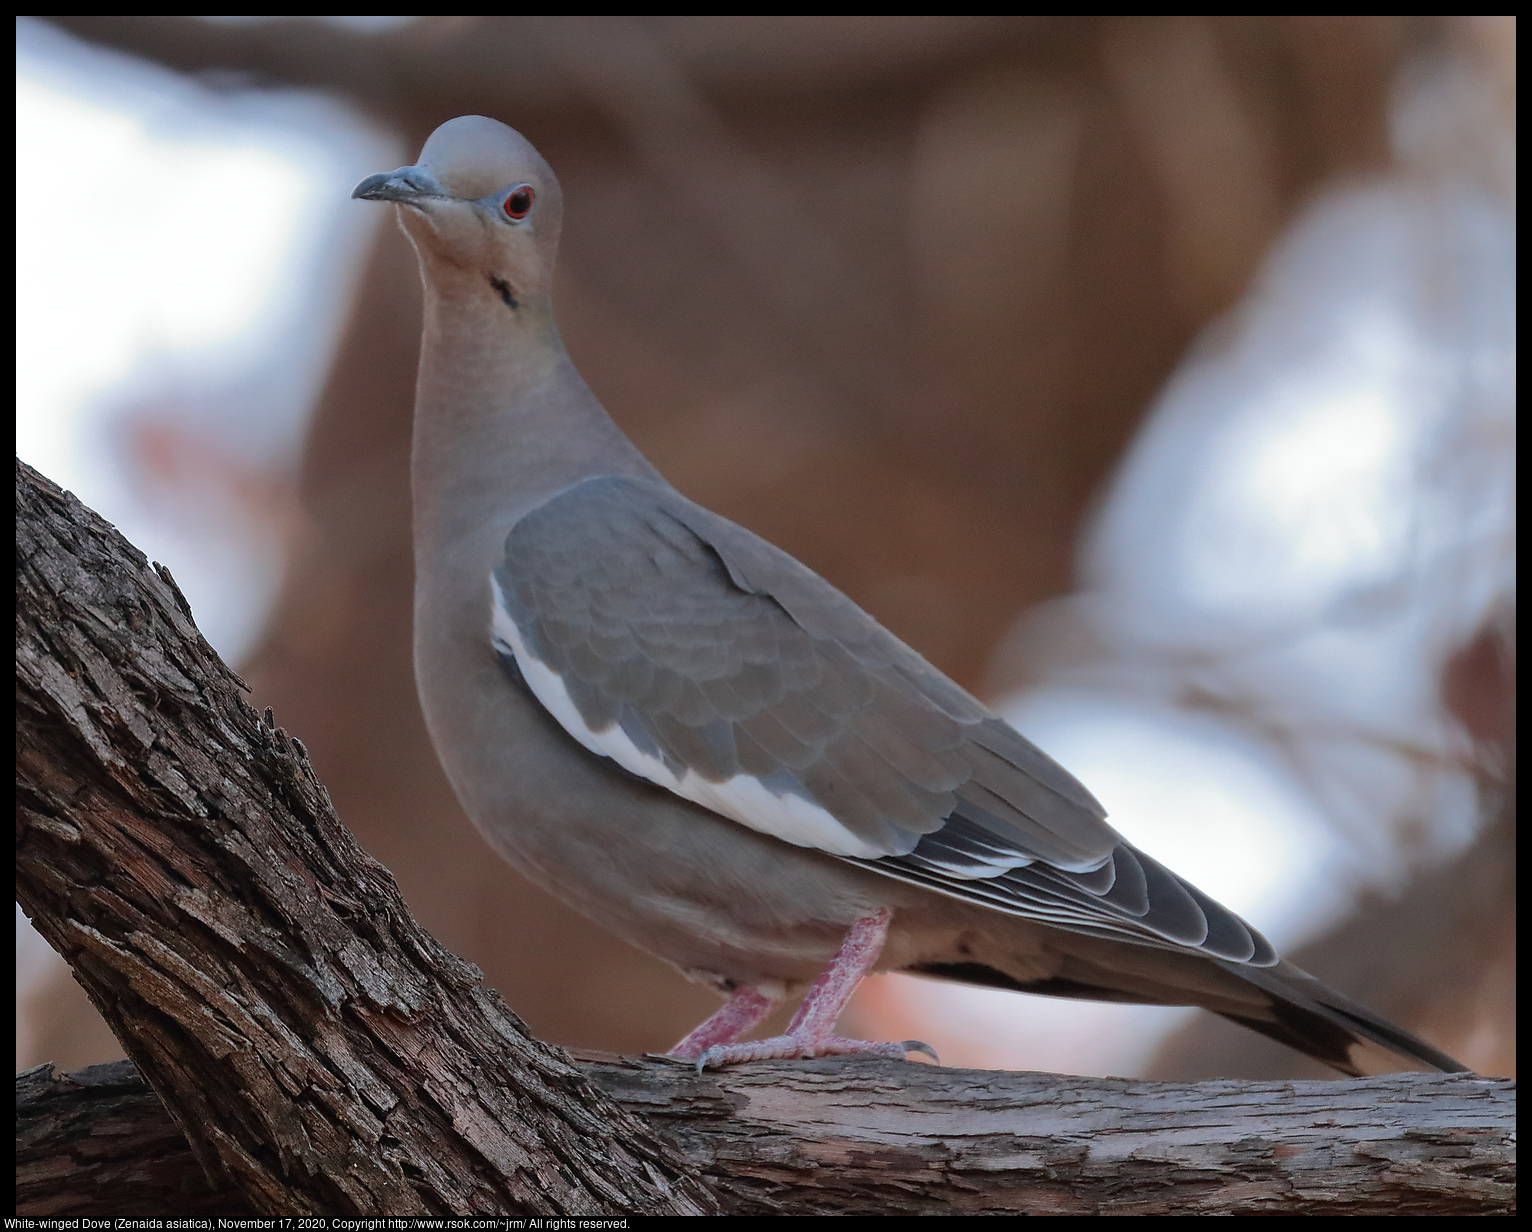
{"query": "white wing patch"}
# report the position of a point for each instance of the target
(743, 798)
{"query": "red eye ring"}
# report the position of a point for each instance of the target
(519, 203)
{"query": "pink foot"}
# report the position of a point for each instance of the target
(791, 1047)
(746, 1009)
(809, 1033)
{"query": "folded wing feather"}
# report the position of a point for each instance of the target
(698, 656)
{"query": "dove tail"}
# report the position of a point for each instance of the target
(1306, 1014)
(1326, 1024)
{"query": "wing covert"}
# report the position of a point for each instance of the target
(696, 655)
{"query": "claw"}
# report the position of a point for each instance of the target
(917, 1046)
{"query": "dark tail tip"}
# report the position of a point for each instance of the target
(1326, 1024)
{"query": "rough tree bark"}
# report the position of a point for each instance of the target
(825, 1137)
(321, 1053)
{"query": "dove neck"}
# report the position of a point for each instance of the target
(502, 419)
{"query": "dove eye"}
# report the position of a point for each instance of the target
(518, 203)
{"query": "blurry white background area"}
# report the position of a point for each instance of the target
(184, 256)
(185, 252)
(1317, 514)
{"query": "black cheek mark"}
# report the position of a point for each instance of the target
(502, 286)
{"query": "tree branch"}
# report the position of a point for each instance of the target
(828, 1138)
(320, 1053)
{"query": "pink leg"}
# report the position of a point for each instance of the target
(809, 1033)
(744, 1010)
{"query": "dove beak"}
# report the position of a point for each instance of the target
(407, 186)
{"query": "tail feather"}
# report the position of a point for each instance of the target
(1325, 1023)
(1306, 1032)
(1304, 1013)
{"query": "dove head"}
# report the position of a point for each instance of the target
(482, 209)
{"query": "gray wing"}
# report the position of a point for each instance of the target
(700, 657)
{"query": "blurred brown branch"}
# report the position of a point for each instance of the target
(451, 65)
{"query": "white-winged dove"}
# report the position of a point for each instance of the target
(699, 743)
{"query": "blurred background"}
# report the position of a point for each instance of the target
(1154, 377)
